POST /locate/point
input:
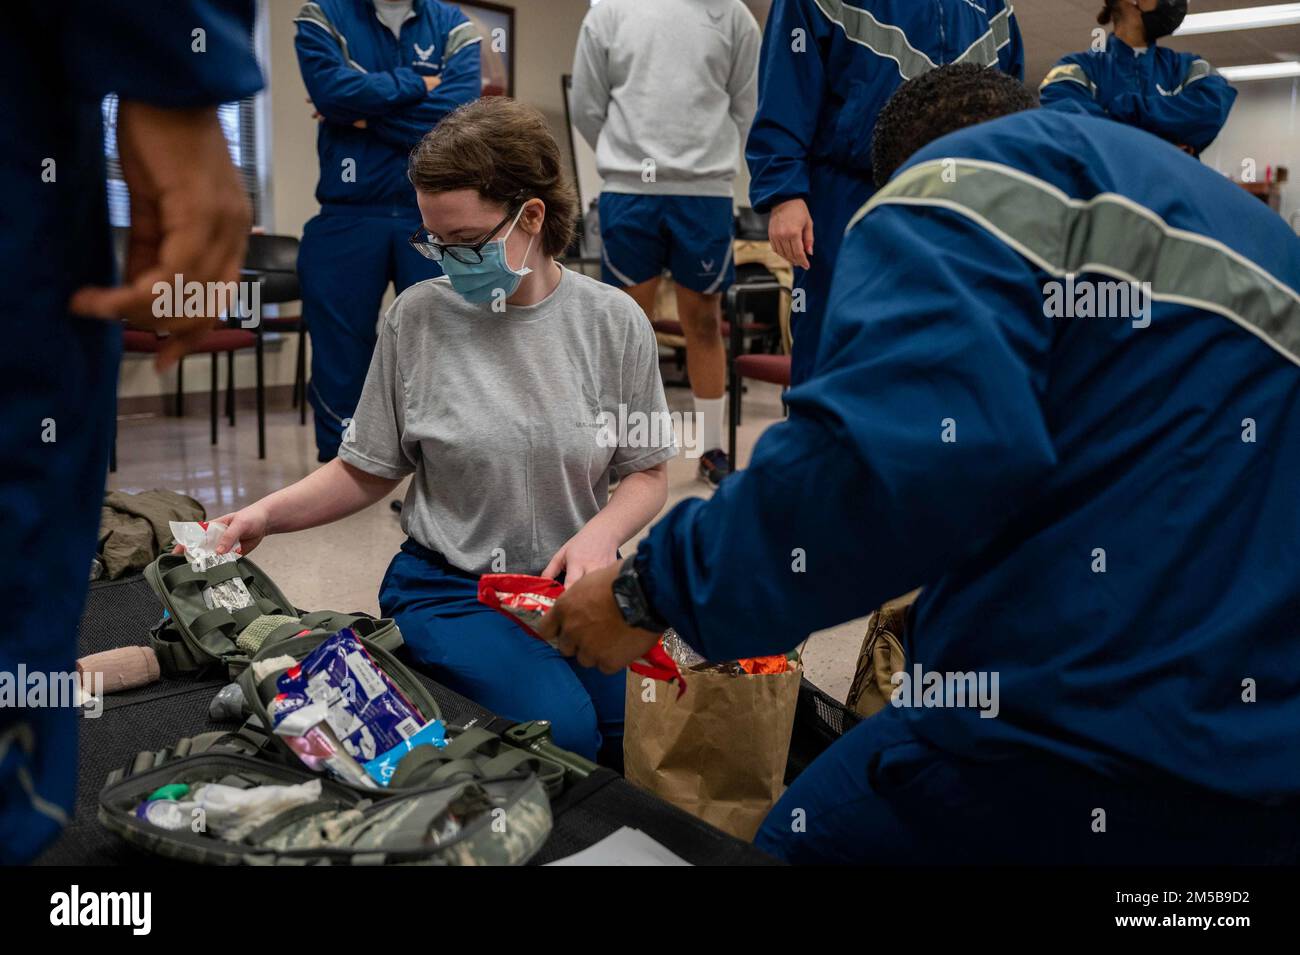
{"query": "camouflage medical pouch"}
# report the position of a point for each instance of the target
(471, 820)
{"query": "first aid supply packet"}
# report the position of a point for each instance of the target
(340, 685)
(200, 539)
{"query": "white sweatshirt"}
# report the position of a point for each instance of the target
(665, 92)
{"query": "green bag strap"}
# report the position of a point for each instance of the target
(217, 630)
(313, 620)
(228, 571)
(218, 618)
(184, 574)
(466, 743)
(510, 760)
(451, 771)
(416, 768)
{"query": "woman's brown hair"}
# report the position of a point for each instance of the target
(503, 149)
(1107, 12)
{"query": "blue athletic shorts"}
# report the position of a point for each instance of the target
(690, 236)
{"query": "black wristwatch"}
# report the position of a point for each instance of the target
(631, 599)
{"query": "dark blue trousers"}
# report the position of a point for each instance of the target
(883, 795)
(348, 257)
(59, 394)
(485, 656)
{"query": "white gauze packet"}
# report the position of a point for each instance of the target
(200, 538)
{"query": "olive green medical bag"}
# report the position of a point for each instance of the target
(193, 639)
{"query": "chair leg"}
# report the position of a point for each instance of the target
(735, 385)
(230, 386)
(212, 401)
(302, 374)
(261, 403)
(733, 413)
(297, 374)
(179, 408)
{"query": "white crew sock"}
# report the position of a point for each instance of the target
(710, 411)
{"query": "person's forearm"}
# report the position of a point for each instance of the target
(328, 494)
(636, 501)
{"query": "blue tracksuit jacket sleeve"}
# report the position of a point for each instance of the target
(1011, 57)
(183, 53)
(1192, 114)
(343, 92)
(919, 434)
(462, 82)
(1069, 85)
(791, 88)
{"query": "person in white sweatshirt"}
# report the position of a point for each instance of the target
(665, 91)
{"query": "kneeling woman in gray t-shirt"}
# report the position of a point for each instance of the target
(497, 386)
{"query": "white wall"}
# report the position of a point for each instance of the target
(1264, 126)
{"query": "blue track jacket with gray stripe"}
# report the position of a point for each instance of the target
(1176, 96)
(828, 67)
(57, 62)
(1099, 499)
(355, 69)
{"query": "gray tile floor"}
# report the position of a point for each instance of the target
(339, 566)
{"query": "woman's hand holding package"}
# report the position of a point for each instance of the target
(244, 530)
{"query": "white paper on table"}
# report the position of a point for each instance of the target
(627, 846)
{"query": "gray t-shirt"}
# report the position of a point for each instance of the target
(507, 419)
(393, 13)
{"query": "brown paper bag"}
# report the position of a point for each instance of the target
(719, 751)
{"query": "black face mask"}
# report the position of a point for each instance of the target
(1164, 19)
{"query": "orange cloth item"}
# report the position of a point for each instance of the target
(765, 665)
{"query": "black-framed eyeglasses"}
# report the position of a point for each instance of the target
(467, 253)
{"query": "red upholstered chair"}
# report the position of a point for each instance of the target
(223, 339)
(226, 337)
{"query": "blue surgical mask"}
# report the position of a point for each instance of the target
(479, 284)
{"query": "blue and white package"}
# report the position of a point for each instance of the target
(342, 683)
(381, 768)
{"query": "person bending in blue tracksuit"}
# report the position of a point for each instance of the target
(381, 74)
(1095, 488)
(1177, 96)
(827, 69)
(58, 377)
